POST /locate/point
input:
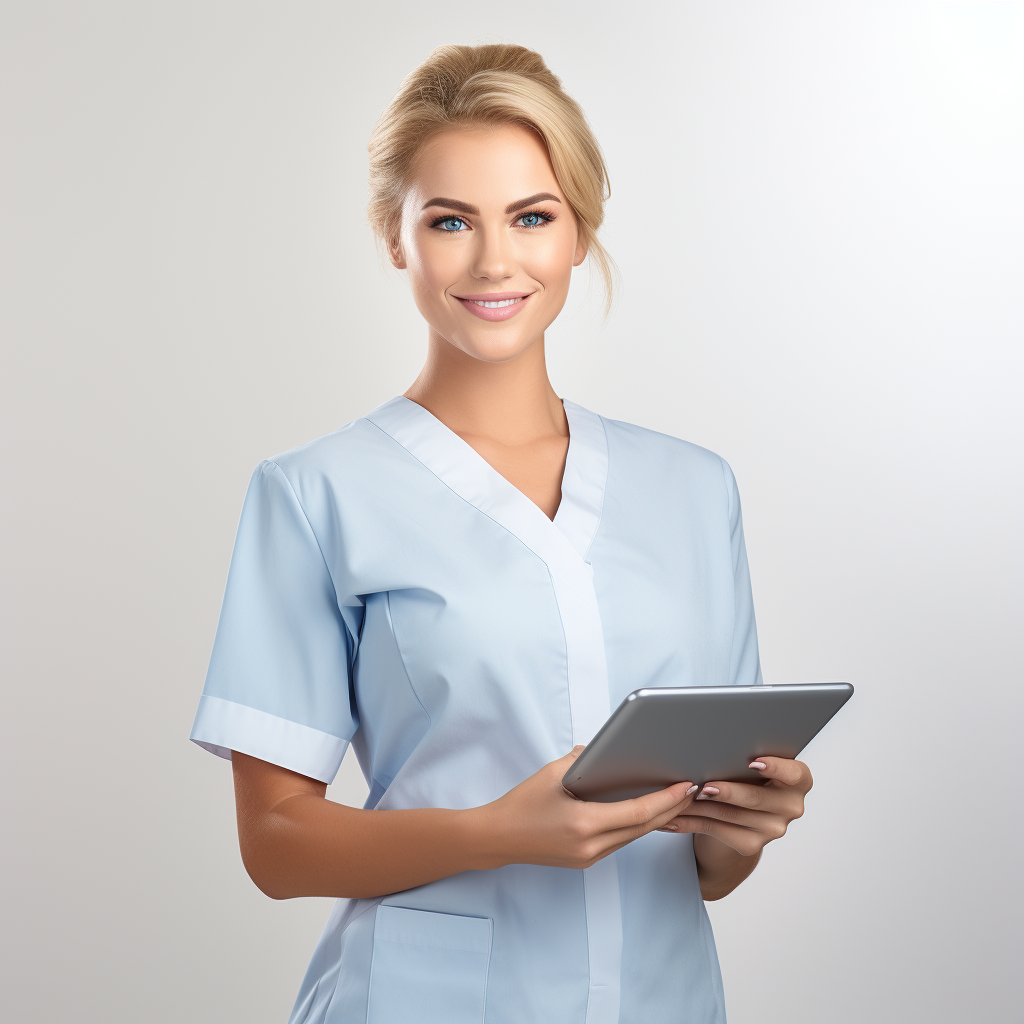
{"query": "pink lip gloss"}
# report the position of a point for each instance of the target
(492, 313)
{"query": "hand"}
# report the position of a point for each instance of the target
(540, 822)
(747, 817)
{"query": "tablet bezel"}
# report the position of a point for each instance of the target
(792, 713)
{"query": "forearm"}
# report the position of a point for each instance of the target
(310, 846)
(295, 842)
(719, 867)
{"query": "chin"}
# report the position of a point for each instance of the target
(492, 343)
(497, 348)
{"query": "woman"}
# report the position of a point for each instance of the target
(463, 583)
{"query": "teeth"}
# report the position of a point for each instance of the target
(497, 305)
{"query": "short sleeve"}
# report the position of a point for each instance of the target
(278, 685)
(744, 663)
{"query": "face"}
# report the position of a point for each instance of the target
(484, 221)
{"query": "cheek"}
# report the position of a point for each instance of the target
(551, 263)
(434, 265)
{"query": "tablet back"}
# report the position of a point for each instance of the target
(701, 734)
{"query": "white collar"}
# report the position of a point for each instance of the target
(456, 463)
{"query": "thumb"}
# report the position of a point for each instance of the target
(576, 751)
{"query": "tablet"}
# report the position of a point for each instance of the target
(662, 735)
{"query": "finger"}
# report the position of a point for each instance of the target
(745, 841)
(785, 770)
(742, 794)
(642, 809)
(562, 765)
(772, 825)
(619, 837)
(565, 762)
(773, 799)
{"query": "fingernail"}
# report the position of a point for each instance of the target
(712, 790)
(757, 764)
(669, 828)
(692, 789)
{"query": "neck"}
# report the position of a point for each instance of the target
(511, 401)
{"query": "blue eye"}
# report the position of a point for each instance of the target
(449, 220)
(534, 218)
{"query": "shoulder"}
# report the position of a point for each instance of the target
(670, 469)
(344, 449)
(348, 465)
(654, 447)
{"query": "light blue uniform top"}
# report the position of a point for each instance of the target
(390, 589)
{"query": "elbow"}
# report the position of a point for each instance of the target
(259, 867)
(272, 892)
(710, 893)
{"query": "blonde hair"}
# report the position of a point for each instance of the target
(459, 86)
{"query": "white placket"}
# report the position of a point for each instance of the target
(563, 545)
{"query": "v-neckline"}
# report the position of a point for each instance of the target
(459, 465)
(491, 465)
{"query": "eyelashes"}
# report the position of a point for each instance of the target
(544, 218)
(444, 220)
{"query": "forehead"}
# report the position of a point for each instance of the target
(485, 166)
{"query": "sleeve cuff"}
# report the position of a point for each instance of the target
(222, 726)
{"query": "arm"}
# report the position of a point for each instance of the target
(295, 842)
(720, 868)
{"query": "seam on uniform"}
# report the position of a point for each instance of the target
(604, 487)
(728, 490)
(726, 472)
(401, 656)
(590, 950)
(316, 539)
(337, 981)
(487, 969)
(735, 565)
(312, 1000)
(565, 638)
(373, 956)
(706, 929)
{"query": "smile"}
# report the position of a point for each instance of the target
(500, 307)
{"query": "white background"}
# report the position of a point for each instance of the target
(817, 213)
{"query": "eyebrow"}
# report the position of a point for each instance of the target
(538, 198)
(457, 204)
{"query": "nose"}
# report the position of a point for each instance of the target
(494, 257)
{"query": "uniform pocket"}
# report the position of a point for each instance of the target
(428, 968)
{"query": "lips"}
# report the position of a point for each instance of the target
(495, 306)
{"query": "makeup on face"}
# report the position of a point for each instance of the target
(457, 204)
(494, 306)
(488, 234)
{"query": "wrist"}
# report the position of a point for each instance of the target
(720, 868)
(480, 834)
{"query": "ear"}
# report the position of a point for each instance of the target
(396, 254)
(581, 251)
